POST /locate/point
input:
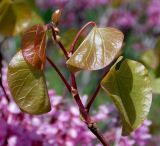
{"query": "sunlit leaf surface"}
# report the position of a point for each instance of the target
(130, 89)
(34, 46)
(16, 16)
(97, 50)
(28, 86)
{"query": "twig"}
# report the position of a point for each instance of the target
(96, 132)
(1, 58)
(51, 26)
(88, 106)
(74, 90)
(91, 125)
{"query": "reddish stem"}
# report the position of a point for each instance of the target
(91, 125)
(78, 100)
(4, 92)
(74, 90)
(96, 132)
(1, 58)
(59, 73)
(63, 49)
(88, 106)
(51, 26)
(79, 33)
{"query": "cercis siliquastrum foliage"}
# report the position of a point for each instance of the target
(127, 82)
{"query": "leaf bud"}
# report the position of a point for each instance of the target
(56, 16)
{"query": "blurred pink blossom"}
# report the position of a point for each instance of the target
(153, 13)
(122, 19)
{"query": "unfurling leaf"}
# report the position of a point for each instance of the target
(34, 46)
(97, 50)
(28, 86)
(129, 86)
(16, 16)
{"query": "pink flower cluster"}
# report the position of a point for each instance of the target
(153, 13)
(60, 127)
(122, 18)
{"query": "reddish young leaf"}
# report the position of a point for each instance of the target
(34, 45)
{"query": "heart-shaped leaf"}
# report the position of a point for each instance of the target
(28, 86)
(97, 50)
(129, 86)
(34, 46)
(16, 16)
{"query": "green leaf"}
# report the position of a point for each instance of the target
(97, 50)
(129, 86)
(16, 16)
(28, 86)
(34, 46)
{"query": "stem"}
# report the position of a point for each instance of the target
(74, 90)
(78, 100)
(4, 91)
(51, 26)
(88, 106)
(100, 137)
(79, 33)
(63, 49)
(93, 128)
(59, 73)
(91, 125)
(1, 58)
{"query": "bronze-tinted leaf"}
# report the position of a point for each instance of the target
(129, 86)
(34, 46)
(16, 16)
(97, 50)
(28, 86)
